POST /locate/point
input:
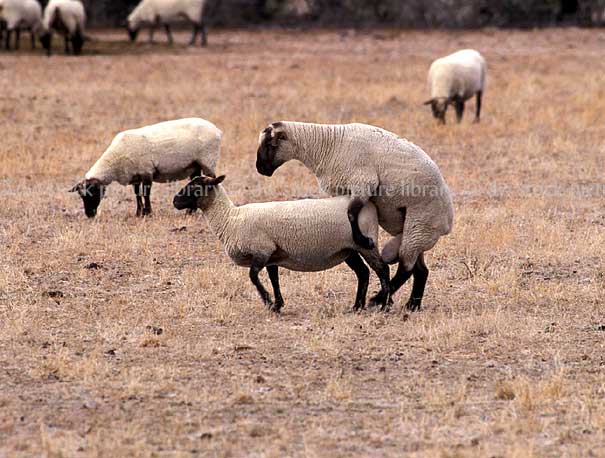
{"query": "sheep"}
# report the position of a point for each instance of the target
(17, 14)
(163, 152)
(304, 235)
(156, 12)
(67, 17)
(453, 80)
(413, 202)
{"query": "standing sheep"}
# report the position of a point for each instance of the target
(413, 202)
(453, 80)
(157, 12)
(17, 14)
(163, 152)
(66, 17)
(304, 235)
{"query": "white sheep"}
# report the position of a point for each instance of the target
(453, 80)
(18, 14)
(305, 235)
(67, 17)
(413, 202)
(163, 152)
(152, 13)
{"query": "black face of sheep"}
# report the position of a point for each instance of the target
(439, 108)
(46, 40)
(191, 196)
(266, 160)
(132, 33)
(91, 192)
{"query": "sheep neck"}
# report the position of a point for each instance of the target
(217, 210)
(318, 146)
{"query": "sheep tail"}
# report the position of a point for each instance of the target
(353, 211)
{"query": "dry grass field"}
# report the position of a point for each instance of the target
(122, 337)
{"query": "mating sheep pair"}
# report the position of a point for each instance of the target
(311, 235)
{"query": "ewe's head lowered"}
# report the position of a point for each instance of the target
(132, 26)
(273, 149)
(196, 193)
(91, 191)
(439, 107)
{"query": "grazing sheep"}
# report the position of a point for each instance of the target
(163, 152)
(413, 202)
(18, 14)
(304, 235)
(68, 18)
(453, 80)
(157, 12)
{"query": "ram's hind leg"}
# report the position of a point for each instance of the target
(168, 34)
(421, 274)
(355, 262)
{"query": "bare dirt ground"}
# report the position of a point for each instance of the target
(121, 337)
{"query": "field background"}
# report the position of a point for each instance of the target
(128, 337)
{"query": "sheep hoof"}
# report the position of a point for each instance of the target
(275, 308)
(378, 299)
(413, 305)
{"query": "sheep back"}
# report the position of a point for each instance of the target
(460, 74)
(160, 152)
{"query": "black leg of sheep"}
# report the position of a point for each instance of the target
(459, 110)
(137, 193)
(17, 38)
(204, 35)
(33, 37)
(274, 277)
(7, 43)
(363, 276)
(421, 274)
(147, 196)
(478, 106)
(168, 34)
(264, 294)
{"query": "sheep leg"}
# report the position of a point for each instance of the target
(254, 271)
(478, 106)
(7, 43)
(147, 196)
(383, 297)
(33, 37)
(353, 211)
(274, 277)
(459, 110)
(137, 193)
(363, 276)
(66, 44)
(194, 34)
(151, 32)
(168, 34)
(204, 34)
(17, 38)
(421, 273)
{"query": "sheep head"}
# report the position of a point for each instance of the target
(91, 191)
(197, 193)
(439, 107)
(272, 150)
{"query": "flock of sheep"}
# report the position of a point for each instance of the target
(377, 179)
(68, 18)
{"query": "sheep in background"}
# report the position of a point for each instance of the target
(18, 14)
(67, 17)
(304, 235)
(163, 152)
(152, 13)
(414, 204)
(453, 80)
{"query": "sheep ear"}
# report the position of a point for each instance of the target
(428, 102)
(218, 180)
(76, 188)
